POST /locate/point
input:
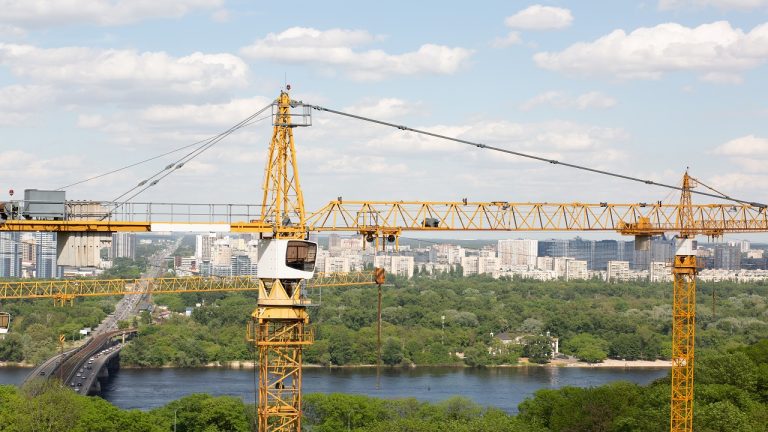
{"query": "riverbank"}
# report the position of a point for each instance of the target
(16, 365)
(611, 363)
(608, 363)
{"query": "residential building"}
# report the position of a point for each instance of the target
(396, 265)
(336, 265)
(123, 245)
(517, 252)
(10, 254)
(446, 254)
(576, 270)
(203, 246)
(617, 271)
(659, 272)
(727, 257)
(45, 255)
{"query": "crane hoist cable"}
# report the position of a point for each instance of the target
(530, 156)
(141, 162)
(179, 163)
(168, 169)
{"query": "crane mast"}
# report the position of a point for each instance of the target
(683, 316)
(279, 325)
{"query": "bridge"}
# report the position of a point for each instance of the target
(83, 368)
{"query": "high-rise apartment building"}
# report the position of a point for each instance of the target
(396, 265)
(203, 246)
(124, 245)
(334, 242)
(336, 265)
(727, 257)
(45, 255)
(446, 254)
(517, 252)
(659, 271)
(617, 271)
(576, 270)
(10, 254)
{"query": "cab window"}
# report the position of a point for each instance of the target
(300, 255)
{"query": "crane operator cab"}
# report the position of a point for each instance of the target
(286, 259)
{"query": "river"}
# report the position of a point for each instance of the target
(504, 388)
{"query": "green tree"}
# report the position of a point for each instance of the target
(12, 348)
(588, 348)
(538, 349)
(391, 352)
(626, 346)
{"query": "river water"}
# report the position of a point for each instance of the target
(504, 388)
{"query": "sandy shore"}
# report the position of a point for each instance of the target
(15, 364)
(610, 363)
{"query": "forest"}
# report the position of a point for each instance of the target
(593, 321)
(731, 396)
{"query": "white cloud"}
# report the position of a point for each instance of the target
(30, 169)
(720, 4)
(552, 139)
(557, 99)
(745, 146)
(350, 164)
(538, 17)
(49, 13)
(749, 153)
(221, 16)
(164, 127)
(383, 109)
(207, 115)
(9, 31)
(20, 101)
(333, 49)
(741, 183)
(91, 73)
(716, 51)
(512, 38)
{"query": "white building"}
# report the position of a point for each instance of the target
(474, 265)
(45, 255)
(576, 270)
(396, 265)
(336, 265)
(446, 254)
(659, 272)
(124, 245)
(517, 252)
(203, 246)
(618, 271)
(221, 253)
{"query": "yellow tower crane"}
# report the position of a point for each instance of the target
(279, 325)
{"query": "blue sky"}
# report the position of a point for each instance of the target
(643, 88)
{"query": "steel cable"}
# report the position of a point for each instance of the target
(530, 156)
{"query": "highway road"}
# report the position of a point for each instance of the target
(125, 309)
(128, 306)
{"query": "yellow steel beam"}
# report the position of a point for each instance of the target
(384, 217)
(394, 217)
(74, 226)
(68, 289)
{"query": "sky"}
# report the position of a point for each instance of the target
(646, 89)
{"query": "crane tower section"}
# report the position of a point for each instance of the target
(283, 202)
(279, 325)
